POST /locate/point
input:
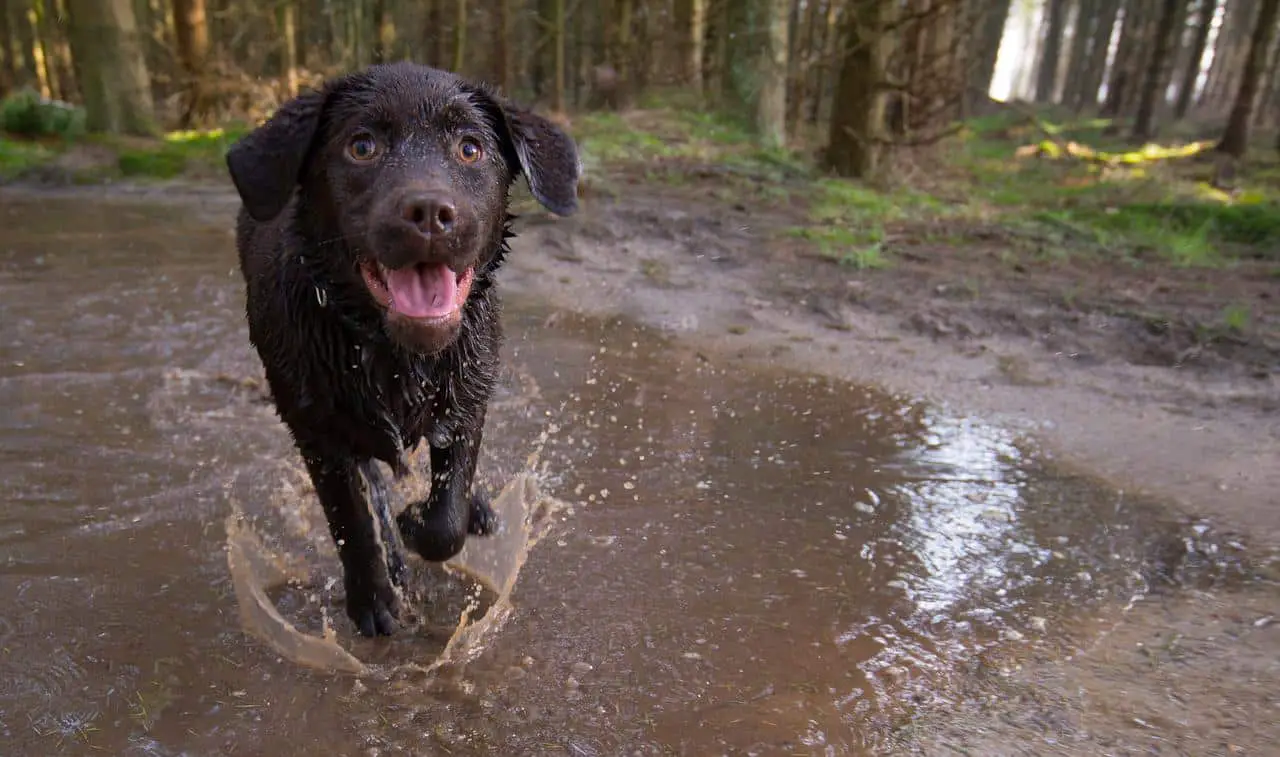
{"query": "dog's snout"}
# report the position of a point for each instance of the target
(431, 214)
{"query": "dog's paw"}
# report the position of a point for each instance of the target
(484, 521)
(435, 541)
(375, 612)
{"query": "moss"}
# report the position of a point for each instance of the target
(17, 156)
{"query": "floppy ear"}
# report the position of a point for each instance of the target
(266, 163)
(537, 148)
(548, 158)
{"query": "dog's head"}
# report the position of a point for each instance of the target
(405, 171)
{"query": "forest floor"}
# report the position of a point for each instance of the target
(1127, 316)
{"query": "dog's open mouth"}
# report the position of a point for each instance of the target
(425, 291)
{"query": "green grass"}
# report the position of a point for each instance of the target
(1144, 203)
(860, 249)
(178, 152)
(17, 156)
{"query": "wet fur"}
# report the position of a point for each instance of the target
(350, 388)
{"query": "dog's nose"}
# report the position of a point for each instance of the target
(430, 214)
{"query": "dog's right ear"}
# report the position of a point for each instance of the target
(266, 163)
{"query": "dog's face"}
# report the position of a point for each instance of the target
(408, 167)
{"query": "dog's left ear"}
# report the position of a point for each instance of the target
(540, 150)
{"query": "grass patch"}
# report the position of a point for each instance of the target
(17, 156)
(176, 154)
(860, 249)
(179, 152)
(1152, 202)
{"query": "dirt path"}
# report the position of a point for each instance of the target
(1109, 368)
(1106, 393)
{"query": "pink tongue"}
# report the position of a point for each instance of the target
(423, 291)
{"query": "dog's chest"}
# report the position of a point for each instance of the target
(413, 396)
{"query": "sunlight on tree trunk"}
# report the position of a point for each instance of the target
(110, 67)
(771, 101)
(1096, 61)
(690, 22)
(990, 34)
(290, 58)
(1235, 138)
(1204, 25)
(1122, 68)
(1143, 124)
(1077, 64)
(38, 59)
(1230, 51)
(191, 32)
(857, 117)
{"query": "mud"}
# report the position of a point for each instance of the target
(752, 559)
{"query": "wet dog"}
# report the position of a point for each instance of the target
(374, 216)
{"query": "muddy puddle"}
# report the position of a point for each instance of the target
(700, 558)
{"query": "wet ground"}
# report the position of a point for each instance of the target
(747, 561)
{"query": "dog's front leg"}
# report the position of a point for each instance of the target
(437, 528)
(372, 602)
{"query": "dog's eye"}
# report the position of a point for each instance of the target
(362, 148)
(470, 150)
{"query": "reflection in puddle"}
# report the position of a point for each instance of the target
(757, 562)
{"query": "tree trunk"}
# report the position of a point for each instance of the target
(1099, 44)
(502, 46)
(1047, 78)
(690, 23)
(736, 38)
(857, 117)
(110, 67)
(1174, 57)
(800, 36)
(1235, 138)
(460, 36)
(35, 51)
(191, 30)
(1155, 73)
(1204, 24)
(24, 39)
(771, 101)
(378, 17)
(826, 53)
(624, 53)
(289, 61)
(1122, 68)
(433, 34)
(1077, 67)
(558, 45)
(8, 53)
(990, 34)
(1230, 51)
(1271, 82)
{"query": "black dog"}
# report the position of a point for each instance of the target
(374, 217)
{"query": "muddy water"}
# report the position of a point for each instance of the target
(746, 562)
